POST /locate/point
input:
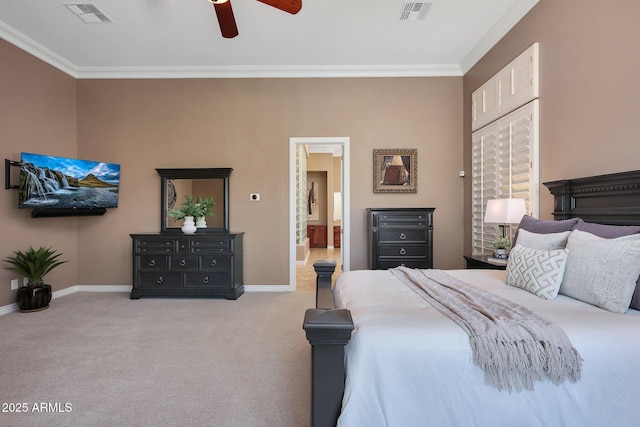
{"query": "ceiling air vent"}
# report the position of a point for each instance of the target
(414, 11)
(88, 12)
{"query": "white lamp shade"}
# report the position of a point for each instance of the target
(505, 211)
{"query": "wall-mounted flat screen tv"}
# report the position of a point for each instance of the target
(49, 182)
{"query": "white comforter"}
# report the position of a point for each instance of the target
(407, 365)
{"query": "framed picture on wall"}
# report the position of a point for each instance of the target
(395, 170)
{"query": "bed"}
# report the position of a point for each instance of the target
(383, 355)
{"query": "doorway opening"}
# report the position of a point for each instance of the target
(337, 227)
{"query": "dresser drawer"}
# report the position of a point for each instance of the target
(210, 246)
(402, 251)
(207, 279)
(398, 220)
(152, 262)
(155, 246)
(401, 235)
(214, 262)
(183, 262)
(164, 279)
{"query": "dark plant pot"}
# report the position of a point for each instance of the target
(34, 298)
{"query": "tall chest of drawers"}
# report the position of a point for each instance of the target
(400, 236)
(206, 265)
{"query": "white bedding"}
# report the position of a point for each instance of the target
(407, 365)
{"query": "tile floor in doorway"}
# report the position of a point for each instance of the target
(306, 275)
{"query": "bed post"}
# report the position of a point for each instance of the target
(328, 331)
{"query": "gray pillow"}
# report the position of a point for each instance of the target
(606, 231)
(612, 232)
(602, 272)
(543, 242)
(537, 271)
(544, 226)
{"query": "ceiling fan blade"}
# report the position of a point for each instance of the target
(226, 19)
(290, 6)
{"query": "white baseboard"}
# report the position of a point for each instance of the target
(6, 309)
(71, 290)
(268, 288)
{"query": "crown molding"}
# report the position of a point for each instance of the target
(278, 71)
(31, 46)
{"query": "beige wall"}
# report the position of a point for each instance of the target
(240, 123)
(589, 89)
(37, 114)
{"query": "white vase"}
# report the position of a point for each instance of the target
(201, 222)
(188, 227)
(501, 254)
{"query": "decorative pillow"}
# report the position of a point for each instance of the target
(606, 231)
(543, 242)
(543, 226)
(612, 232)
(602, 272)
(537, 271)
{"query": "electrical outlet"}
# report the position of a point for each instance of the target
(14, 284)
(254, 197)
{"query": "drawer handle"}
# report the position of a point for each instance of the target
(160, 280)
(403, 236)
(402, 251)
(205, 280)
(213, 262)
(152, 263)
(183, 262)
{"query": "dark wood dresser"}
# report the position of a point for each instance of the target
(205, 265)
(400, 236)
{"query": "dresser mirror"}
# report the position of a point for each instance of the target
(203, 183)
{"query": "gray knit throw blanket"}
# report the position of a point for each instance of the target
(513, 345)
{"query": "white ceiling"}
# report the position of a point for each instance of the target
(327, 38)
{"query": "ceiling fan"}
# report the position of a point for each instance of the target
(228, 22)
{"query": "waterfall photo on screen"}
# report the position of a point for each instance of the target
(58, 182)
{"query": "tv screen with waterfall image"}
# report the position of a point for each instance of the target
(57, 182)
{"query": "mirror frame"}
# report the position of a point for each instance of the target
(194, 173)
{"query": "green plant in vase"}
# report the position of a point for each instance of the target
(501, 245)
(188, 208)
(205, 207)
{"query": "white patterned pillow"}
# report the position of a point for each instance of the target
(543, 242)
(602, 272)
(536, 271)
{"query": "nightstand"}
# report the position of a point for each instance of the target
(486, 262)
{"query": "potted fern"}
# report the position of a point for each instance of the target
(34, 264)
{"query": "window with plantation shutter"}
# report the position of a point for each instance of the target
(504, 164)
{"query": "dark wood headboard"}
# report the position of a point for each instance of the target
(606, 199)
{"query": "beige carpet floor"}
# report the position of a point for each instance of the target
(101, 359)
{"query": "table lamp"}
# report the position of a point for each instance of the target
(504, 212)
